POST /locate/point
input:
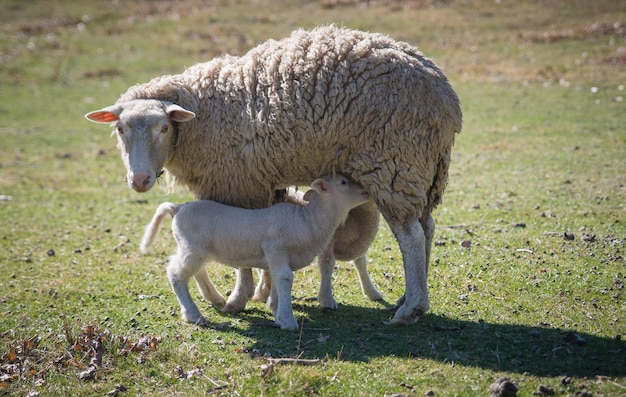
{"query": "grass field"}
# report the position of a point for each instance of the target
(528, 273)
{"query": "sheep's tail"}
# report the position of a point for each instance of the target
(153, 227)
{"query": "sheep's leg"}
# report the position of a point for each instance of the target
(179, 270)
(241, 293)
(282, 282)
(326, 264)
(428, 224)
(412, 242)
(207, 288)
(367, 287)
(429, 233)
(262, 290)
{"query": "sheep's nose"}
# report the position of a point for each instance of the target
(140, 181)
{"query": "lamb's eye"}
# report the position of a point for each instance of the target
(164, 129)
(120, 130)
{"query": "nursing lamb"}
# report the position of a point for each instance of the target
(238, 129)
(282, 238)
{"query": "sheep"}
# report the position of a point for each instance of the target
(357, 233)
(281, 238)
(239, 129)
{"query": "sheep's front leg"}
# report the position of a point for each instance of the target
(207, 288)
(326, 264)
(282, 282)
(241, 293)
(412, 242)
(367, 287)
(179, 271)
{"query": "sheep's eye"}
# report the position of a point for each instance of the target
(120, 130)
(164, 129)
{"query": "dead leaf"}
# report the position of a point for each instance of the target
(267, 370)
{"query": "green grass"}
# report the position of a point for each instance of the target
(541, 154)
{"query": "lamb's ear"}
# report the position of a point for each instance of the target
(320, 186)
(178, 113)
(106, 115)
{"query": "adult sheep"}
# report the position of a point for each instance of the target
(237, 129)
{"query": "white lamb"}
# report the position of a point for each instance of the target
(239, 129)
(282, 238)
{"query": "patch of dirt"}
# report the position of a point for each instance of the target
(595, 30)
(395, 5)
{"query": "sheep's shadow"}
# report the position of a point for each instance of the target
(360, 334)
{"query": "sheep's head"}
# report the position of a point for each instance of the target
(146, 136)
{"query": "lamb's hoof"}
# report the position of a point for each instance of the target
(261, 294)
(199, 321)
(260, 297)
(233, 308)
(402, 320)
(374, 296)
(234, 304)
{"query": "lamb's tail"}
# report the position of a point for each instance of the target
(153, 227)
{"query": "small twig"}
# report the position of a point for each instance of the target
(300, 335)
(617, 384)
(452, 227)
(300, 361)
(524, 250)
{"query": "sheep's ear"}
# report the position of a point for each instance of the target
(320, 186)
(104, 116)
(178, 113)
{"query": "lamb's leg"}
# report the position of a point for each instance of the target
(282, 282)
(241, 293)
(412, 242)
(262, 290)
(207, 289)
(367, 286)
(179, 270)
(326, 264)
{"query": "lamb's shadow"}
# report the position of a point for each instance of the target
(359, 334)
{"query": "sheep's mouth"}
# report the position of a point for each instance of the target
(160, 174)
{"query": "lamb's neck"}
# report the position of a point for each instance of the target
(323, 218)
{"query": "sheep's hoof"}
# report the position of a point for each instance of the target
(331, 308)
(287, 326)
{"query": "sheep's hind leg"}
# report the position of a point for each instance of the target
(179, 271)
(367, 287)
(262, 290)
(207, 288)
(429, 233)
(412, 242)
(244, 287)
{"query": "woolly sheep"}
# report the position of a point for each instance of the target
(238, 129)
(282, 238)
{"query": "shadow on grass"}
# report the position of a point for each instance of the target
(359, 334)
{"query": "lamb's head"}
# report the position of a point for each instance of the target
(343, 193)
(146, 136)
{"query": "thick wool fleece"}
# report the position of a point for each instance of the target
(317, 102)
